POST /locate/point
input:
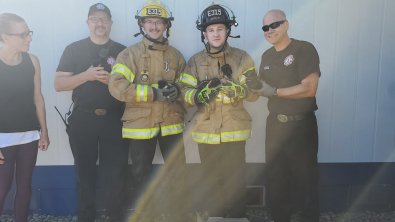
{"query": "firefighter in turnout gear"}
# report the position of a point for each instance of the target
(214, 81)
(144, 78)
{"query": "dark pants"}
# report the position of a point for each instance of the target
(21, 158)
(224, 170)
(92, 137)
(291, 160)
(142, 153)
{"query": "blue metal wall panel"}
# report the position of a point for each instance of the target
(325, 39)
(255, 47)
(303, 20)
(368, 62)
(344, 82)
(385, 106)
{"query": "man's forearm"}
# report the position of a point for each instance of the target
(307, 88)
(68, 82)
(295, 92)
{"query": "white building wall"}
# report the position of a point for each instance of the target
(354, 39)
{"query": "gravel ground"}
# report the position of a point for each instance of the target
(191, 217)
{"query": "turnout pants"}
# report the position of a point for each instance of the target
(142, 153)
(92, 137)
(291, 160)
(224, 170)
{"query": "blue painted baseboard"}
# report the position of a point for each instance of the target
(343, 187)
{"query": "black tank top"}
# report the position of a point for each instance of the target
(17, 109)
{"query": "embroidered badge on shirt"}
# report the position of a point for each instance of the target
(266, 68)
(288, 60)
(111, 61)
(100, 6)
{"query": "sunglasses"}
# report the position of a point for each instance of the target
(274, 25)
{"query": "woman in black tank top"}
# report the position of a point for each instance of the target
(22, 112)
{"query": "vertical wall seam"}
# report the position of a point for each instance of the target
(356, 86)
(378, 83)
(334, 80)
(55, 49)
(245, 24)
(315, 19)
(127, 21)
(198, 41)
(292, 18)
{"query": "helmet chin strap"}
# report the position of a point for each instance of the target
(153, 40)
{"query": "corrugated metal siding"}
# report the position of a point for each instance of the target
(354, 38)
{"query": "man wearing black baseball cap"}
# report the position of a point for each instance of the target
(95, 129)
(99, 7)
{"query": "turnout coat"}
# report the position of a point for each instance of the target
(136, 72)
(229, 121)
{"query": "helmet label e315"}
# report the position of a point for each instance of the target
(154, 11)
(213, 12)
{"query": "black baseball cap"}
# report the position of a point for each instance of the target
(99, 7)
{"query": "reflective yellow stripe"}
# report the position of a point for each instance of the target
(206, 138)
(242, 80)
(172, 129)
(225, 99)
(252, 68)
(228, 100)
(155, 85)
(124, 70)
(188, 79)
(145, 93)
(140, 133)
(235, 136)
(142, 93)
(188, 96)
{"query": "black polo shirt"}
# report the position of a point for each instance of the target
(77, 58)
(288, 68)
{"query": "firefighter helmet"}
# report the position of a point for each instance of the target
(154, 9)
(215, 12)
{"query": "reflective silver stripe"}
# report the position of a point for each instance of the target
(206, 138)
(142, 93)
(242, 80)
(188, 96)
(187, 79)
(235, 135)
(193, 83)
(175, 128)
(141, 134)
